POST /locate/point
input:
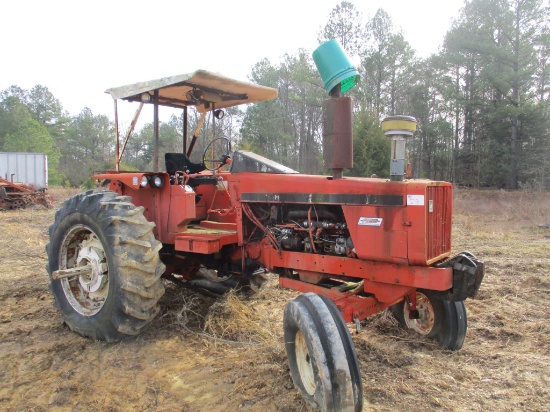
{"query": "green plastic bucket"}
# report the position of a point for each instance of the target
(334, 66)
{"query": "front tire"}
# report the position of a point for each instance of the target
(107, 234)
(322, 358)
(443, 320)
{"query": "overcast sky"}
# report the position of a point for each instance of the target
(78, 49)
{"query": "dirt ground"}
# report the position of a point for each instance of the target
(207, 355)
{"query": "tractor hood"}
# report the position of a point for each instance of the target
(202, 89)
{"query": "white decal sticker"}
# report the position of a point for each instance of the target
(134, 180)
(430, 206)
(370, 221)
(415, 200)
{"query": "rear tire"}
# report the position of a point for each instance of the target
(108, 233)
(445, 321)
(322, 358)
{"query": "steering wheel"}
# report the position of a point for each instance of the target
(222, 159)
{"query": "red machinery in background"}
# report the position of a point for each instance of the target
(354, 246)
(15, 195)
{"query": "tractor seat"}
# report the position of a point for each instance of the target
(179, 162)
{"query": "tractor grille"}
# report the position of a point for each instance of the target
(439, 210)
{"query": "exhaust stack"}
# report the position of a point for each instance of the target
(338, 76)
(399, 129)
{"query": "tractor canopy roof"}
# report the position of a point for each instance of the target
(202, 89)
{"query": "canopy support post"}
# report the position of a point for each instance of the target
(156, 132)
(130, 130)
(185, 129)
(117, 155)
(196, 134)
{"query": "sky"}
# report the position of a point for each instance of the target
(80, 48)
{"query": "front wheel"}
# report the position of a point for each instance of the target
(443, 320)
(104, 266)
(322, 358)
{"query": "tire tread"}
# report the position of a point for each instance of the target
(138, 268)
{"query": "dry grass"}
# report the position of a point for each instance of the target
(59, 193)
(515, 208)
(207, 355)
(235, 319)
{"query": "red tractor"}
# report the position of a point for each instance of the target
(354, 246)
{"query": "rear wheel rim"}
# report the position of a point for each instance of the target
(304, 362)
(426, 315)
(85, 293)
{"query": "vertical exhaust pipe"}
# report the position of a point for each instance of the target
(398, 129)
(337, 133)
(338, 76)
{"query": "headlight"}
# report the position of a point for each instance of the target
(144, 181)
(157, 181)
